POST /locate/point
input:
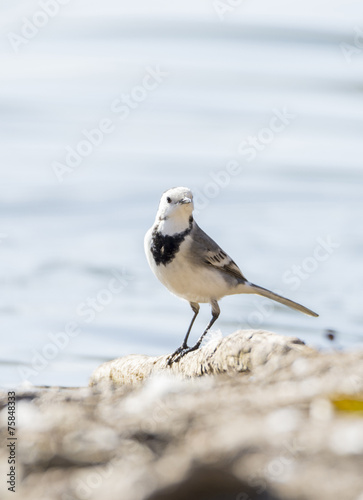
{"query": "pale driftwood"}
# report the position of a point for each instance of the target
(241, 351)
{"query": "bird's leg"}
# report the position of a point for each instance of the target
(195, 306)
(215, 314)
(182, 352)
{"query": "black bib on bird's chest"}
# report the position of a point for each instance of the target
(164, 247)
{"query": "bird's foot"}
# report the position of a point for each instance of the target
(176, 354)
(180, 353)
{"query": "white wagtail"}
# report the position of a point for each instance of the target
(192, 266)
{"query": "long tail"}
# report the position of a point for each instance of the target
(278, 298)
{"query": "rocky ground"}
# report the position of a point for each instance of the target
(252, 416)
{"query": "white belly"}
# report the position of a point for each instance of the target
(194, 283)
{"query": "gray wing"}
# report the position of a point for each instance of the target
(208, 252)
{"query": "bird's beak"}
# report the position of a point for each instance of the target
(185, 200)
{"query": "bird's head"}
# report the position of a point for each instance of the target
(176, 203)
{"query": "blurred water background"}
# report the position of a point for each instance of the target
(75, 286)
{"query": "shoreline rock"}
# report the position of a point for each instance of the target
(244, 350)
(270, 419)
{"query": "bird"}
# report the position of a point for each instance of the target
(191, 265)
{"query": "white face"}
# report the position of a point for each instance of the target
(176, 202)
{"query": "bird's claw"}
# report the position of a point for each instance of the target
(175, 356)
(180, 353)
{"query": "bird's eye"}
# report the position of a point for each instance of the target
(168, 199)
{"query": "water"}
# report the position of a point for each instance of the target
(289, 212)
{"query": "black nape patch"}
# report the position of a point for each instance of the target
(165, 247)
